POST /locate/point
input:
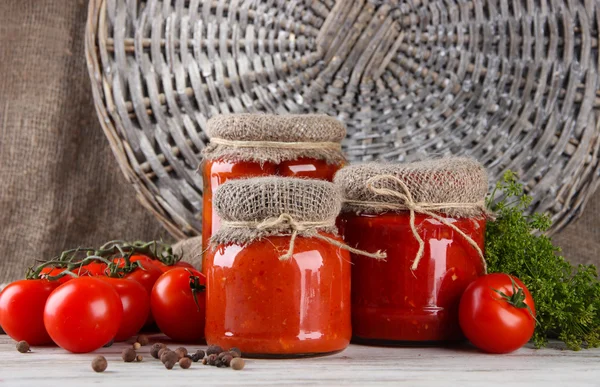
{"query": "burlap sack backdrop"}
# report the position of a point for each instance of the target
(274, 138)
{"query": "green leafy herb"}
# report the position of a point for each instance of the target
(567, 298)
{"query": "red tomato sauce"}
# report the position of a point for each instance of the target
(272, 308)
(391, 304)
(217, 172)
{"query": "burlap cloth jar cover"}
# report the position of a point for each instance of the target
(455, 187)
(257, 208)
(274, 138)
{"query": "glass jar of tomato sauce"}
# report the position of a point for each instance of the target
(413, 296)
(251, 145)
(278, 285)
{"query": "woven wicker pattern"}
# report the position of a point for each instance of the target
(513, 83)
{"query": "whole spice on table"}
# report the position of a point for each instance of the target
(143, 340)
(139, 358)
(181, 352)
(185, 363)
(169, 357)
(136, 346)
(99, 364)
(237, 363)
(211, 359)
(197, 356)
(567, 298)
(156, 347)
(235, 352)
(22, 346)
(163, 350)
(128, 355)
(213, 349)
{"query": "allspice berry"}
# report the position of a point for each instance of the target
(237, 363)
(181, 352)
(139, 358)
(235, 352)
(23, 346)
(143, 340)
(169, 364)
(136, 346)
(168, 357)
(155, 348)
(128, 355)
(226, 359)
(99, 364)
(214, 349)
(185, 363)
(211, 359)
(163, 350)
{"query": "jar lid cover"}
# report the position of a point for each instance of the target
(279, 204)
(274, 138)
(456, 186)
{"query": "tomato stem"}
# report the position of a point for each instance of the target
(196, 287)
(517, 299)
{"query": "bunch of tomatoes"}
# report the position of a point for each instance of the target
(110, 294)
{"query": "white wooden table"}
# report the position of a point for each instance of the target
(358, 365)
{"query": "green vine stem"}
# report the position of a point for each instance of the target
(71, 259)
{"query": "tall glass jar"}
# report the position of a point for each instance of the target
(412, 297)
(251, 145)
(277, 285)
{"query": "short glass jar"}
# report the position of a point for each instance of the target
(270, 308)
(412, 296)
(392, 304)
(278, 283)
(252, 145)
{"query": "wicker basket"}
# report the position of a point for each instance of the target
(513, 83)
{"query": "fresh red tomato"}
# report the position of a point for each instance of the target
(22, 310)
(178, 313)
(183, 264)
(83, 314)
(136, 306)
(497, 313)
(147, 277)
(93, 269)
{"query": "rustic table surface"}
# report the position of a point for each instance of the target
(357, 365)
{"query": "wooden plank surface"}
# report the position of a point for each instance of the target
(357, 365)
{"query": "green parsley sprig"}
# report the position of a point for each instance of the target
(567, 298)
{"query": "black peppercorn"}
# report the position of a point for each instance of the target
(198, 355)
(235, 352)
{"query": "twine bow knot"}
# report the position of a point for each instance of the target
(406, 202)
(287, 221)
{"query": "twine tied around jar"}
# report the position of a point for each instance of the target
(277, 144)
(286, 220)
(408, 203)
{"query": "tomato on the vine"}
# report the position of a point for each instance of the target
(146, 276)
(497, 313)
(22, 310)
(83, 314)
(136, 306)
(178, 304)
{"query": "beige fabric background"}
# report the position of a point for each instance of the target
(60, 186)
